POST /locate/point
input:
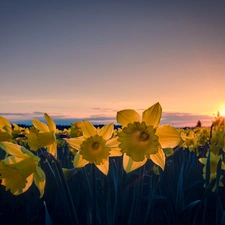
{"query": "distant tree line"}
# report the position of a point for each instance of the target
(62, 127)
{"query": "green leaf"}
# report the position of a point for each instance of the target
(48, 220)
(207, 178)
(191, 205)
(223, 219)
(179, 197)
(218, 172)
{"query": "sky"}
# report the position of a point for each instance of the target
(88, 60)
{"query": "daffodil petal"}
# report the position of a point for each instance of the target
(4, 122)
(152, 115)
(29, 181)
(129, 165)
(159, 158)
(106, 131)
(40, 126)
(115, 152)
(78, 161)
(223, 166)
(75, 142)
(88, 129)
(203, 160)
(7, 129)
(12, 149)
(11, 179)
(113, 143)
(40, 180)
(168, 136)
(52, 149)
(4, 136)
(50, 122)
(126, 116)
(104, 167)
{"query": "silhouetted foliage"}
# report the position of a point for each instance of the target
(199, 124)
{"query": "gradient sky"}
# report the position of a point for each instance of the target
(89, 59)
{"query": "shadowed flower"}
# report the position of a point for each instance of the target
(143, 138)
(45, 137)
(214, 159)
(20, 169)
(95, 146)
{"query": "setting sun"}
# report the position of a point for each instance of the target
(222, 111)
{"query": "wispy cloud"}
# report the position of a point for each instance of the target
(175, 119)
(185, 119)
(104, 110)
(13, 114)
(45, 100)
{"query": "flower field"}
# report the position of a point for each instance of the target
(140, 173)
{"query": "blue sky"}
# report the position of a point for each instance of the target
(89, 59)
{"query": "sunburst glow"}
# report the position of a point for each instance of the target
(222, 111)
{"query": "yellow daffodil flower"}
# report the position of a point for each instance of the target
(20, 169)
(214, 159)
(19, 131)
(95, 146)
(143, 138)
(75, 130)
(188, 139)
(203, 135)
(217, 142)
(5, 125)
(5, 129)
(45, 137)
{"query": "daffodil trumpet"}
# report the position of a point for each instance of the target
(143, 138)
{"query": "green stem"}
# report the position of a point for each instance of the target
(70, 209)
(94, 195)
(72, 212)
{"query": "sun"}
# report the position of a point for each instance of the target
(222, 111)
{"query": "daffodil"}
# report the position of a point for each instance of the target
(217, 142)
(143, 138)
(20, 169)
(19, 131)
(5, 129)
(43, 135)
(188, 139)
(95, 146)
(203, 135)
(214, 159)
(75, 130)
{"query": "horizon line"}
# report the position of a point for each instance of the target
(176, 119)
